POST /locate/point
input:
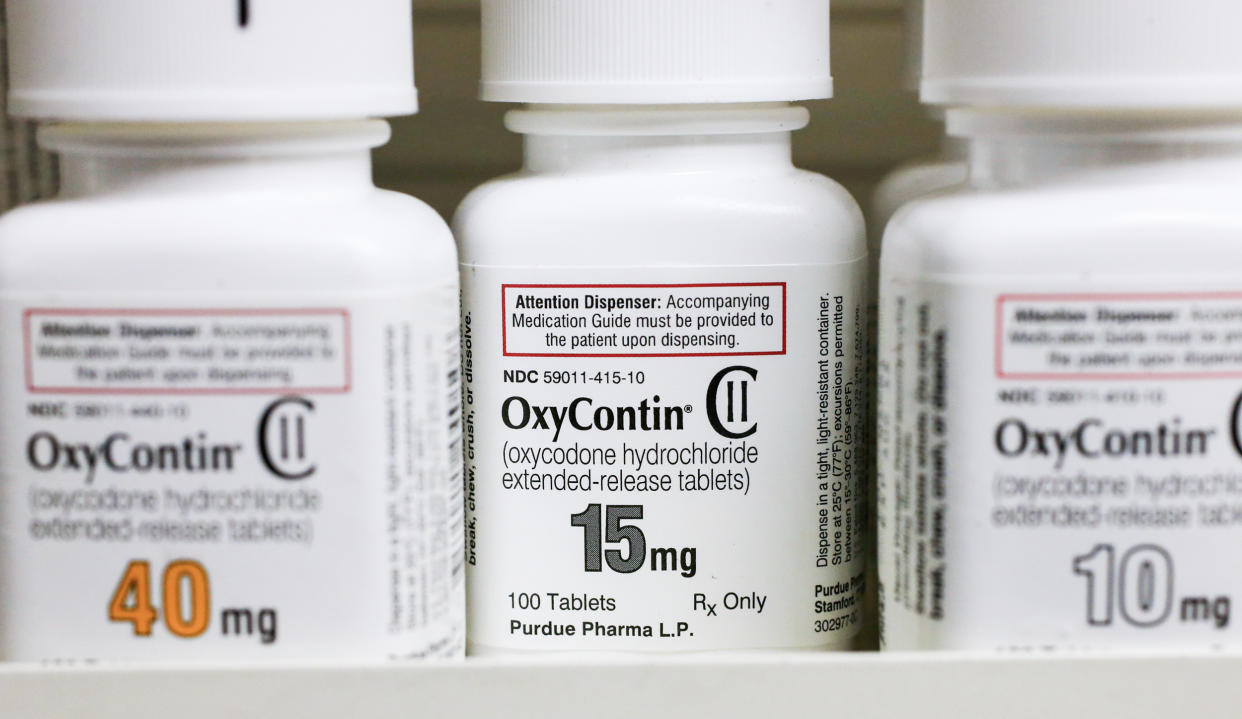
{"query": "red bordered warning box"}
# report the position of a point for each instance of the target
(1119, 336)
(153, 351)
(644, 320)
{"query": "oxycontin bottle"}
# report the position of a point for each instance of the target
(664, 335)
(1060, 451)
(228, 385)
(911, 180)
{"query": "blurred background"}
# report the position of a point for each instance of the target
(456, 142)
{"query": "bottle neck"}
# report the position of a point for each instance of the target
(657, 139)
(1008, 149)
(209, 158)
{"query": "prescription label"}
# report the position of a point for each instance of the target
(1059, 469)
(664, 459)
(200, 480)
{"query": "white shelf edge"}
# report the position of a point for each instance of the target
(832, 686)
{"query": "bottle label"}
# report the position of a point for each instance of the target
(221, 479)
(1059, 469)
(664, 459)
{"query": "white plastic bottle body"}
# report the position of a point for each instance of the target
(229, 402)
(1058, 461)
(900, 187)
(694, 553)
(907, 183)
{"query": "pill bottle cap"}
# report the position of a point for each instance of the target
(1104, 54)
(210, 60)
(655, 51)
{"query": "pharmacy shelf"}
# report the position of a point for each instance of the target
(854, 686)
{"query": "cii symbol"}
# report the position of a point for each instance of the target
(283, 438)
(728, 402)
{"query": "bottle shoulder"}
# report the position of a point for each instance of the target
(671, 218)
(1068, 228)
(907, 183)
(373, 236)
(153, 215)
(913, 180)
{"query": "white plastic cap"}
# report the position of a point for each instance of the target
(1140, 54)
(210, 60)
(655, 51)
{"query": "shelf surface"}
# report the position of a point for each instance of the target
(770, 686)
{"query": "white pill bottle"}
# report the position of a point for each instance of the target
(921, 176)
(228, 389)
(1060, 449)
(664, 330)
